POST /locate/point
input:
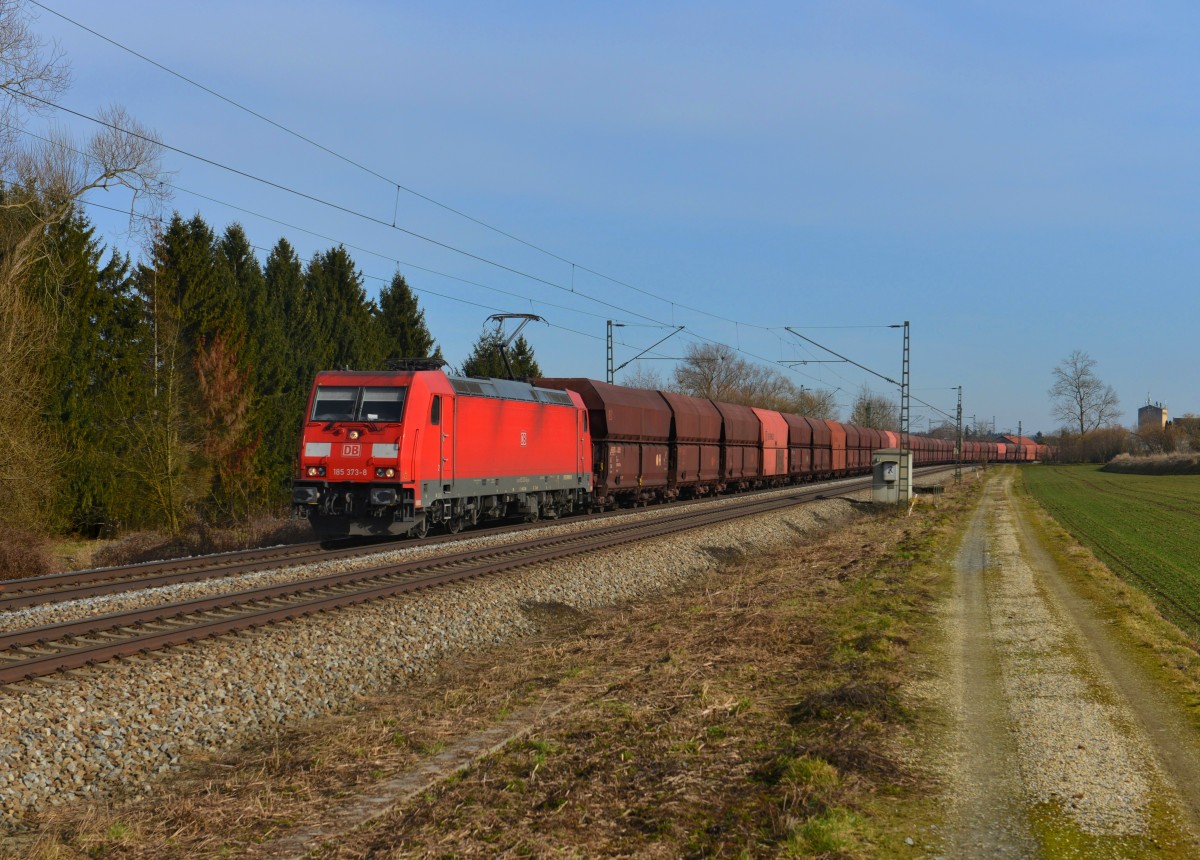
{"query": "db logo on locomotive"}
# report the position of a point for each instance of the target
(351, 450)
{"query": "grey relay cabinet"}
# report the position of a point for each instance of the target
(891, 475)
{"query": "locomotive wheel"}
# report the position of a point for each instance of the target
(421, 529)
(454, 525)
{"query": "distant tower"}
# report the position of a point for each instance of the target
(1152, 417)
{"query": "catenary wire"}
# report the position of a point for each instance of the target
(347, 210)
(312, 198)
(390, 181)
(380, 278)
(400, 186)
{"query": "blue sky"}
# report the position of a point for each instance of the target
(1017, 180)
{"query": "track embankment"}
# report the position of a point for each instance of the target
(724, 692)
(1064, 743)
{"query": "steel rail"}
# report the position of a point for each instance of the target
(78, 585)
(473, 563)
(114, 583)
(157, 614)
(81, 584)
(212, 560)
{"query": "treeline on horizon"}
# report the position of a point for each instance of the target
(173, 389)
(168, 393)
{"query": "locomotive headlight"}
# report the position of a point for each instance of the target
(354, 434)
(312, 471)
(381, 472)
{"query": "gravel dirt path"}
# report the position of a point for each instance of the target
(1062, 746)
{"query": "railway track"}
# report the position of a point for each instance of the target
(82, 584)
(41, 651)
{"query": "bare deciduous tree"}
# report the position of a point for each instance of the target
(875, 411)
(1080, 398)
(42, 179)
(814, 403)
(716, 372)
(711, 370)
(945, 430)
(644, 377)
(29, 76)
(45, 180)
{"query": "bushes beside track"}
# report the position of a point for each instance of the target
(199, 538)
(24, 554)
(1155, 464)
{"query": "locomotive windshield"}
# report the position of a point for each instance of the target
(352, 403)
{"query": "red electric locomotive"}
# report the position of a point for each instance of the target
(397, 452)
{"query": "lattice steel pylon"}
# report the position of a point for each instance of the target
(958, 449)
(905, 463)
(608, 366)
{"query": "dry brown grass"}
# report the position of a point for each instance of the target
(24, 554)
(756, 714)
(199, 538)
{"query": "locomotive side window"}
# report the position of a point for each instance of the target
(382, 404)
(435, 411)
(334, 404)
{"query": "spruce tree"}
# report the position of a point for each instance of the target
(92, 373)
(524, 365)
(201, 320)
(284, 276)
(344, 334)
(192, 287)
(403, 331)
(265, 356)
(485, 359)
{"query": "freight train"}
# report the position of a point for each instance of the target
(400, 452)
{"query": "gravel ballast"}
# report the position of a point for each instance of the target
(121, 725)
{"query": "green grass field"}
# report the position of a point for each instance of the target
(1146, 528)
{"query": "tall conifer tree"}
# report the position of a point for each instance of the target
(264, 356)
(485, 359)
(93, 372)
(402, 322)
(284, 277)
(344, 334)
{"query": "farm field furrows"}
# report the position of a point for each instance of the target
(1144, 527)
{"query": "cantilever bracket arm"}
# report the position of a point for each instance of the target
(678, 329)
(842, 357)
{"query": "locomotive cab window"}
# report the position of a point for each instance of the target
(435, 411)
(382, 404)
(351, 403)
(334, 404)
